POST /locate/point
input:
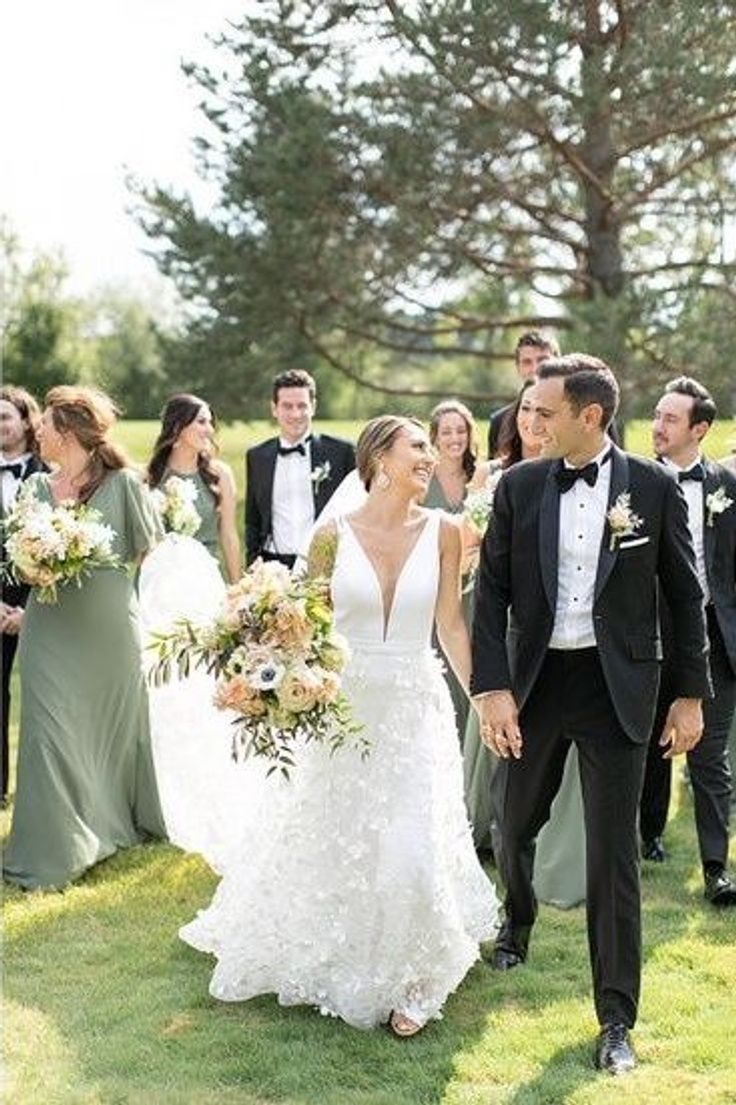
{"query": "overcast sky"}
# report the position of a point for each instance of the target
(89, 89)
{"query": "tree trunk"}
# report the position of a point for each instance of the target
(604, 261)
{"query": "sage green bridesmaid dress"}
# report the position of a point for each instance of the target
(436, 499)
(86, 785)
(559, 861)
(206, 507)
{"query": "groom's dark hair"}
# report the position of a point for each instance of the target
(586, 380)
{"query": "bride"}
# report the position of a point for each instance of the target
(356, 888)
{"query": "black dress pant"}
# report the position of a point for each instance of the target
(570, 703)
(10, 644)
(708, 763)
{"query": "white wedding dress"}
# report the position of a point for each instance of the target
(356, 887)
(205, 796)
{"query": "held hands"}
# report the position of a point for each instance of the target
(499, 724)
(10, 619)
(683, 727)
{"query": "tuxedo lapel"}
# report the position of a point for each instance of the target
(619, 485)
(265, 482)
(710, 483)
(318, 459)
(549, 536)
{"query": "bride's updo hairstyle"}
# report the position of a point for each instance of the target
(178, 413)
(376, 438)
(88, 415)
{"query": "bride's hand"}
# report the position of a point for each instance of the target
(499, 724)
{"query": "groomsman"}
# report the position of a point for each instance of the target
(19, 459)
(566, 649)
(682, 419)
(289, 478)
(531, 349)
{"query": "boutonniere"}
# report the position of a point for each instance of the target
(622, 521)
(717, 502)
(320, 473)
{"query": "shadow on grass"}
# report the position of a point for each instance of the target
(102, 961)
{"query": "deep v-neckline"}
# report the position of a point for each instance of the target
(386, 614)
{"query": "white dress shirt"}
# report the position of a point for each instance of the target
(292, 499)
(693, 490)
(11, 483)
(582, 519)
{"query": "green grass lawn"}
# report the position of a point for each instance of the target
(105, 1006)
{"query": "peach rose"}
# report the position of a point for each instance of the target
(236, 695)
(290, 627)
(298, 690)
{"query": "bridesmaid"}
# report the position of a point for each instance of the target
(454, 435)
(559, 863)
(516, 442)
(86, 785)
(184, 448)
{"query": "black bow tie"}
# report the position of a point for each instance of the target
(14, 467)
(566, 477)
(694, 473)
(289, 450)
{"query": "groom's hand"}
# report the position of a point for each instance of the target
(683, 727)
(499, 724)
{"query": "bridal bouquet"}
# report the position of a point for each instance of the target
(276, 659)
(51, 546)
(175, 505)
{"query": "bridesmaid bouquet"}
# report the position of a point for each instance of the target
(52, 546)
(478, 505)
(276, 659)
(175, 505)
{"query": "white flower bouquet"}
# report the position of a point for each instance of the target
(175, 504)
(276, 658)
(53, 546)
(478, 505)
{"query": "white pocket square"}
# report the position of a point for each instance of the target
(633, 543)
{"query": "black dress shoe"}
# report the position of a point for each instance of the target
(503, 959)
(719, 889)
(653, 850)
(613, 1050)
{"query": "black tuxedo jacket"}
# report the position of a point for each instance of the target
(16, 594)
(517, 590)
(260, 463)
(720, 554)
(719, 540)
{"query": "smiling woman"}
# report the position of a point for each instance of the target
(371, 858)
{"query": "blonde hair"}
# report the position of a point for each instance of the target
(376, 438)
(89, 415)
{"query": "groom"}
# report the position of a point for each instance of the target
(566, 648)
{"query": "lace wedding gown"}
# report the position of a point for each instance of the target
(356, 888)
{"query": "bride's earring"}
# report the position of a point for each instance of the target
(383, 480)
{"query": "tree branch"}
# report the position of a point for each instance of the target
(387, 389)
